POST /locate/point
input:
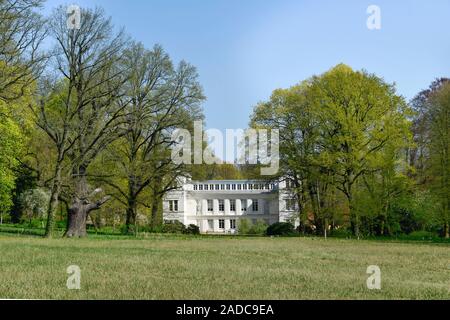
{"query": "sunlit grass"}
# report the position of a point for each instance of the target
(221, 268)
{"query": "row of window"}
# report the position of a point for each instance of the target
(290, 205)
(234, 186)
(232, 223)
(255, 205)
(173, 205)
(222, 224)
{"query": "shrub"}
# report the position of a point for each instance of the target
(259, 228)
(173, 227)
(192, 229)
(244, 226)
(341, 233)
(422, 235)
(280, 229)
(156, 229)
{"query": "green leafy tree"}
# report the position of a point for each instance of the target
(10, 142)
(158, 99)
(34, 203)
(360, 117)
(80, 110)
(440, 152)
(430, 157)
(335, 129)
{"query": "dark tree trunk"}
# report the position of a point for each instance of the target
(131, 213)
(155, 221)
(132, 204)
(76, 220)
(54, 200)
(81, 206)
(354, 216)
(78, 214)
(446, 231)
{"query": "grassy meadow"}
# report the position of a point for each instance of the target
(170, 267)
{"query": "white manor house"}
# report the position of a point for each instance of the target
(216, 206)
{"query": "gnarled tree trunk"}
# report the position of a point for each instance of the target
(76, 220)
(78, 214)
(81, 206)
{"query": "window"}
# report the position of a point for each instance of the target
(239, 187)
(228, 187)
(233, 187)
(206, 187)
(255, 205)
(243, 205)
(250, 187)
(195, 187)
(233, 205)
(221, 224)
(222, 187)
(290, 184)
(200, 187)
(267, 187)
(173, 205)
(233, 224)
(256, 187)
(290, 204)
(244, 186)
(221, 205)
(211, 187)
(210, 205)
(217, 187)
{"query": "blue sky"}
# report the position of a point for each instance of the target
(244, 49)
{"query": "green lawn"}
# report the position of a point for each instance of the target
(221, 268)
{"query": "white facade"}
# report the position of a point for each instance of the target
(216, 206)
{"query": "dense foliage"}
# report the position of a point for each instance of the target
(346, 147)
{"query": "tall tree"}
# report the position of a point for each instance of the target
(360, 116)
(335, 128)
(82, 113)
(439, 117)
(159, 99)
(21, 34)
(289, 111)
(430, 156)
